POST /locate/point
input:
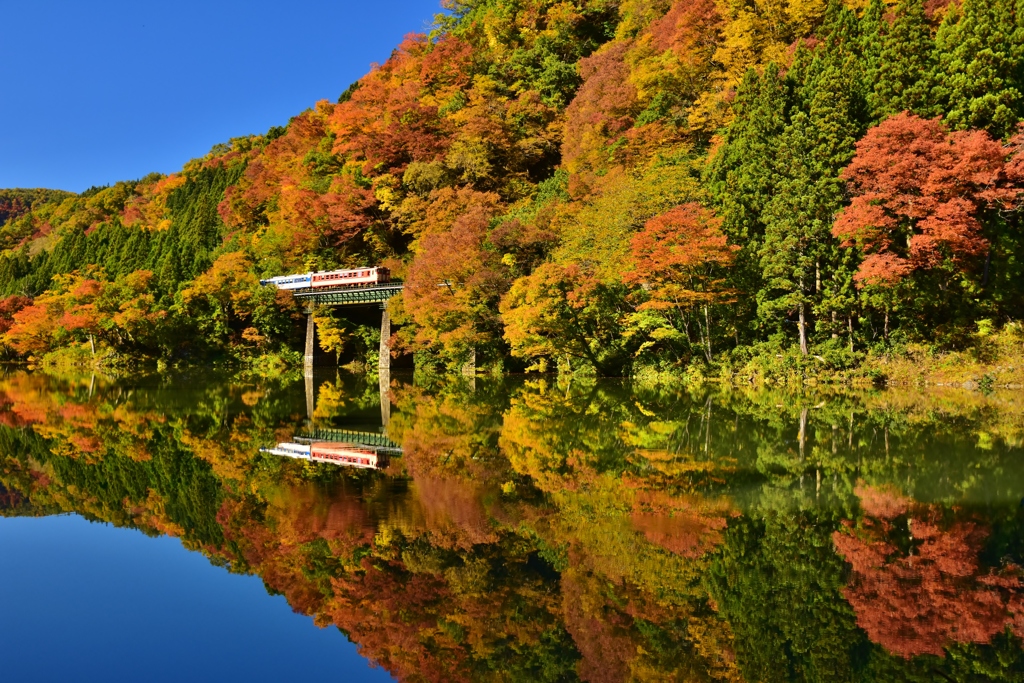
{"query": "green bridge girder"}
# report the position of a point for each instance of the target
(372, 439)
(349, 296)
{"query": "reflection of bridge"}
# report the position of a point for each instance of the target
(374, 440)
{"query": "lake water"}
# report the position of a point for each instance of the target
(506, 530)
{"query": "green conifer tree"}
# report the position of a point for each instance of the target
(873, 28)
(798, 253)
(169, 274)
(978, 71)
(135, 253)
(742, 175)
(905, 65)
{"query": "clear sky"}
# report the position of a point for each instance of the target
(108, 90)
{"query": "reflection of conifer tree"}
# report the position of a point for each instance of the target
(778, 584)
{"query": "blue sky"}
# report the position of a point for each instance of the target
(107, 90)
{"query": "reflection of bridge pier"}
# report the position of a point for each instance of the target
(384, 383)
(385, 397)
(310, 392)
(314, 431)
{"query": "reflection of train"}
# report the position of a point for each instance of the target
(343, 454)
(357, 277)
(290, 450)
(347, 455)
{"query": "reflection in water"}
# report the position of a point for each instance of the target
(342, 454)
(541, 531)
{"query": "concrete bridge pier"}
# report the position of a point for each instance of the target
(385, 339)
(312, 342)
(384, 365)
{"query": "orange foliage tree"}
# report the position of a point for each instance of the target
(679, 259)
(81, 307)
(455, 282)
(918, 193)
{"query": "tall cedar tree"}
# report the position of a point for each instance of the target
(797, 250)
(907, 59)
(742, 176)
(980, 67)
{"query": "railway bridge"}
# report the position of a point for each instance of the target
(349, 296)
(352, 287)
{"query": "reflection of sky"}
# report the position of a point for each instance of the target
(90, 602)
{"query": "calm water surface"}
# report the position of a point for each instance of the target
(153, 529)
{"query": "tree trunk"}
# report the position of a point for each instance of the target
(803, 330)
(707, 321)
(835, 335)
(849, 329)
(885, 327)
(988, 266)
(736, 325)
(92, 346)
(803, 322)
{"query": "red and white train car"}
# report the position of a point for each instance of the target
(354, 277)
(360, 277)
(344, 454)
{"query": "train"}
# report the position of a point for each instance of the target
(354, 277)
(290, 450)
(347, 455)
(344, 454)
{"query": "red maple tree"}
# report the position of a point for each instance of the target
(918, 194)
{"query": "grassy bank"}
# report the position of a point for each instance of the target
(988, 359)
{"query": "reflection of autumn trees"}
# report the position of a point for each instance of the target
(450, 451)
(635, 545)
(536, 531)
(918, 585)
(126, 455)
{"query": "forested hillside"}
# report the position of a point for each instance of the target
(606, 185)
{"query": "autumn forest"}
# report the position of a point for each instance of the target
(607, 186)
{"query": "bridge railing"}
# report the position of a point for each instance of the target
(349, 295)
